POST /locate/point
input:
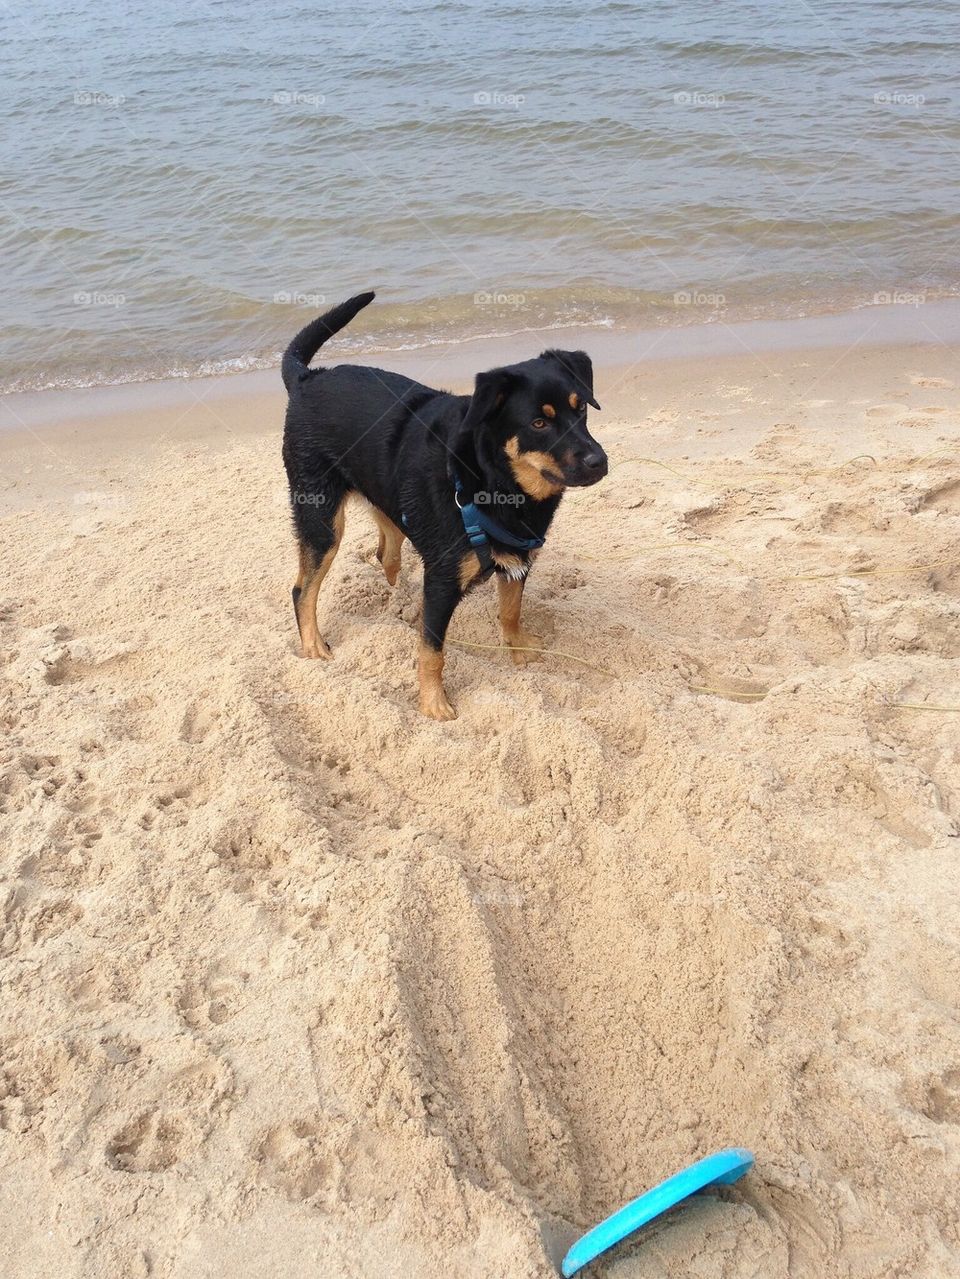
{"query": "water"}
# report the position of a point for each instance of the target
(183, 184)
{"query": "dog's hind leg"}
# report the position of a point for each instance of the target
(320, 535)
(388, 550)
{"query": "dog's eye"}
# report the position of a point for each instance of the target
(538, 424)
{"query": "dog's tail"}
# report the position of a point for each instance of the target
(310, 339)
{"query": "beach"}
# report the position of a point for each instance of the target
(298, 982)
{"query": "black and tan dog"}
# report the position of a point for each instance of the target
(472, 481)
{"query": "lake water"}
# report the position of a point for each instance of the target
(182, 185)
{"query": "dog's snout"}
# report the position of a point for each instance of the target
(589, 467)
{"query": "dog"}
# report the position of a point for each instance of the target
(473, 481)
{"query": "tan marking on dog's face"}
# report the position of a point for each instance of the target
(548, 410)
(528, 470)
(469, 569)
(574, 400)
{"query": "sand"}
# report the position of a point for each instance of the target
(299, 983)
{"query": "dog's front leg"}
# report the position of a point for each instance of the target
(441, 596)
(510, 595)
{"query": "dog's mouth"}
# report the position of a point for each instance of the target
(568, 471)
(553, 477)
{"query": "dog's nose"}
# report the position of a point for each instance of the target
(595, 461)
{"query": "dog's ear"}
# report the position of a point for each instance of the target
(578, 367)
(490, 391)
(473, 446)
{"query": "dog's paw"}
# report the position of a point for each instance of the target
(319, 649)
(520, 643)
(436, 705)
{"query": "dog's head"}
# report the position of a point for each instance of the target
(536, 413)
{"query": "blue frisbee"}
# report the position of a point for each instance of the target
(716, 1170)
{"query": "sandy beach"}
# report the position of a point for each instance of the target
(297, 982)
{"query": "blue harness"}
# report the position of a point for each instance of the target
(481, 527)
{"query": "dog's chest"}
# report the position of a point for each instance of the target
(514, 567)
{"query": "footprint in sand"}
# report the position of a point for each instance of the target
(198, 721)
(885, 410)
(938, 383)
(154, 1138)
(920, 418)
(942, 1102)
(150, 1143)
(293, 1160)
(212, 1000)
(33, 1075)
(23, 924)
(935, 1095)
(171, 807)
(944, 498)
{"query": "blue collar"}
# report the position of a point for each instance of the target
(481, 527)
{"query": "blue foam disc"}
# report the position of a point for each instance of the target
(716, 1170)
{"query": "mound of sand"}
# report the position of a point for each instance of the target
(297, 982)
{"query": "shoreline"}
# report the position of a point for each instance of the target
(59, 450)
(394, 328)
(454, 363)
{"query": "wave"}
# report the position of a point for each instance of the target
(442, 322)
(745, 53)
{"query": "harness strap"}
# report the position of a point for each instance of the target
(480, 527)
(476, 535)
